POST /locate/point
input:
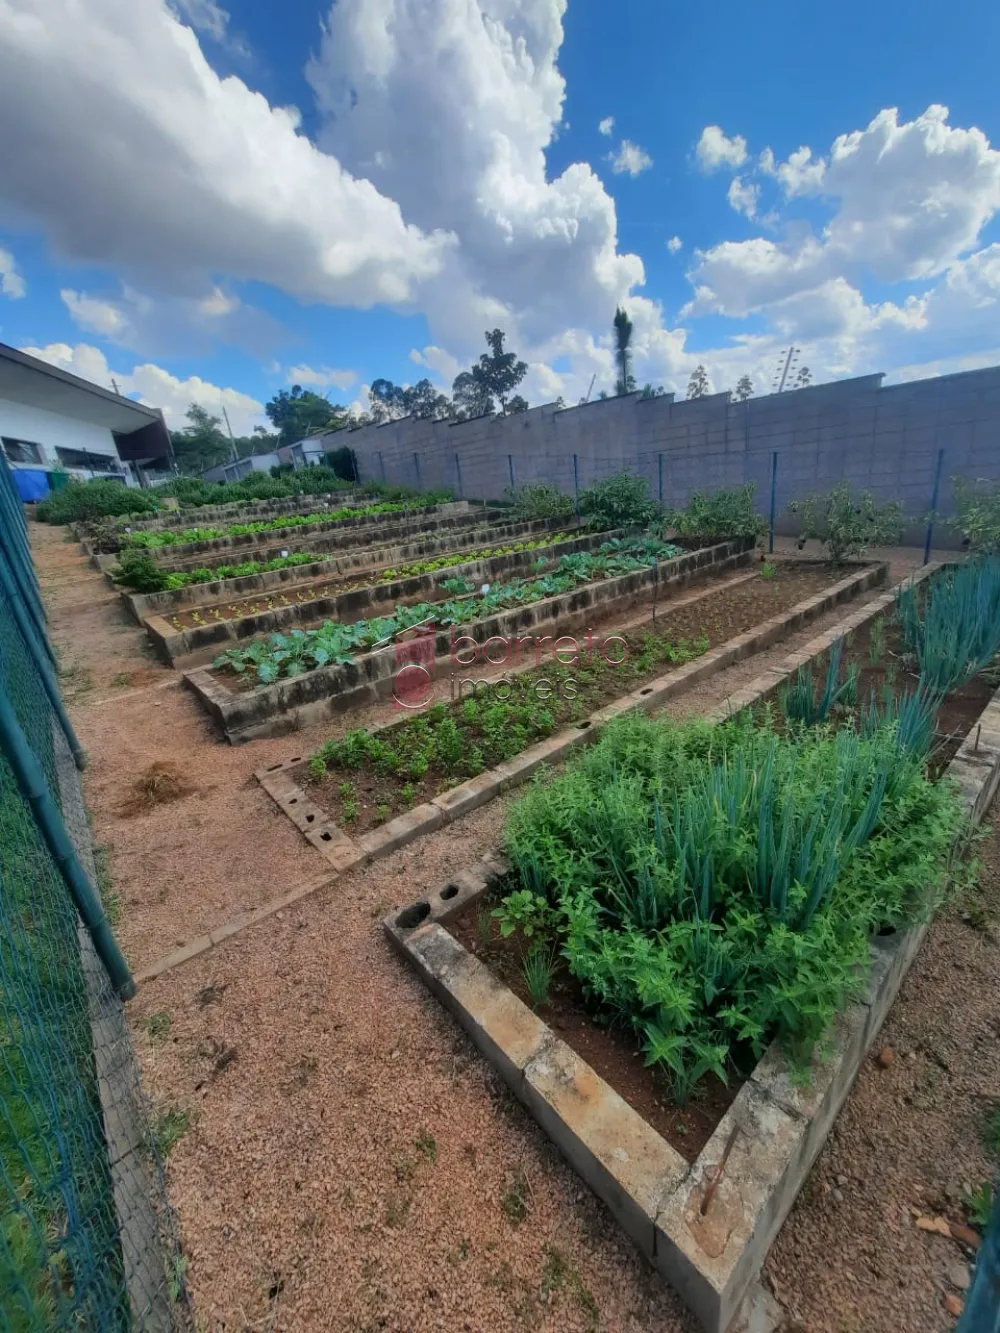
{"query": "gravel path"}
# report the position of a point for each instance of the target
(353, 1165)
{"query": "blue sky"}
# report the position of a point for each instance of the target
(167, 219)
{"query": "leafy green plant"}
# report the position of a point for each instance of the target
(769, 571)
(621, 501)
(727, 512)
(716, 886)
(848, 525)
(524, 911)
(536, 968)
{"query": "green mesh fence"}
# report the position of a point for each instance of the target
(86, 1235)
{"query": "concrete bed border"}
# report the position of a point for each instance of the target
(143, 604)
(342, 852)
(191, 555)
(185, 648)
(771, 1135)
(237, 510)
(297, 701)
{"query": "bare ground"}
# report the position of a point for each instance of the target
(352, 1164)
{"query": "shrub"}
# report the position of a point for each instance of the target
(848, 526)
(139, 571)
(87, 501)
(729, 512)
(716, 887)
(621, 501)
(539, 500)
(978, 514)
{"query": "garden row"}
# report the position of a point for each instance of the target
(222, 583)
(735, 900)
(373, 789)
(284, 682)
(556, 561)
(266, 540)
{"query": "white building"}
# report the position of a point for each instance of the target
(51, 421)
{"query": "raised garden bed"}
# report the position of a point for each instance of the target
(428, 546)
(385, 525)
(197, 634)
(704, 1202)
(345, 799)
(293, 702)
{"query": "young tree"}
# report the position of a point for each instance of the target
(202, 443)
(625, 383)
(744, 389)
(302, 412)
(648, 391)
(804, 378)
(494, 378)
(698, 383)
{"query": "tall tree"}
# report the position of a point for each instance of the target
(386, 401)
(469, 397)
(301, 412)
(201, 444)
(698, 383)
(804, 378)
(651, 391)
(494, 378)
(744, 389)
(625, 383)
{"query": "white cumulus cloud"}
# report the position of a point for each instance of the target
(395, 79)
(606, 126)
(12, 284)
(715, 150)
(674, 244)
(743, 196)
(156, 387)
(320, 377)
(630, 159)
(104, 92)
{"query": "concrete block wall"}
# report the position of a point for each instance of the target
(885, 439)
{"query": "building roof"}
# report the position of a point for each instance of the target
(140, 432)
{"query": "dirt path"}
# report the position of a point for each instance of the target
(351, 1163)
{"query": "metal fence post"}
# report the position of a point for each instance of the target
(458, 476)
(381, 463)
(510, 469)
(934, 504)
(48, 819)
(416, 466)
(576, 484)
(774, 499)
(659, 471)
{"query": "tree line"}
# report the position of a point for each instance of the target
(488, 387)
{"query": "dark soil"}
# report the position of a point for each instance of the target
(611, 1051)
(159, 784)
(543, 700)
